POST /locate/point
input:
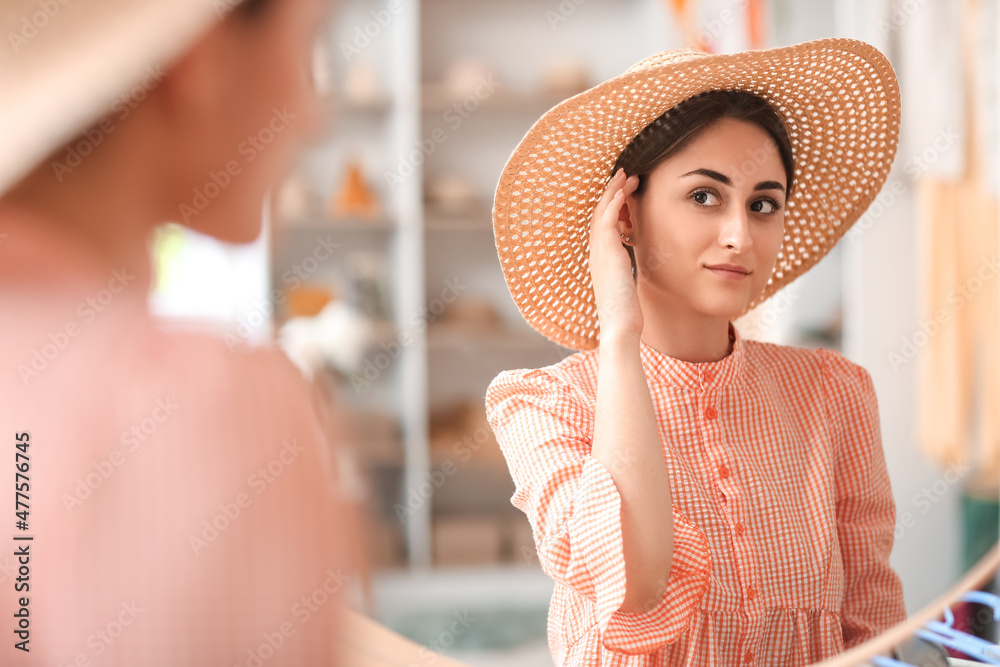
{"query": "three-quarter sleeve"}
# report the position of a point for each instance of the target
(544, 426)
(873, 593)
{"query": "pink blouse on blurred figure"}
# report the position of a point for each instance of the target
(181, 504)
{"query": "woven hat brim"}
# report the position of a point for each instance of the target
(838, 99)
(67, 62)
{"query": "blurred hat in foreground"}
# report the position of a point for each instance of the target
(68, 62)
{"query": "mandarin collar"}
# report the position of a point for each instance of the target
(704, 376)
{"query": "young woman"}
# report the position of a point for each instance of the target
(699, 498)
(176, 499)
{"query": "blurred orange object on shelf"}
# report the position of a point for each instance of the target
(355, 199)
(309, 300)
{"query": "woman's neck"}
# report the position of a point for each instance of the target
(106, 219)
(685, 334)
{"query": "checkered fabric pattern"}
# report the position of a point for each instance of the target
(783, 514)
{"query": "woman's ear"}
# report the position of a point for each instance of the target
(625, 224)
(626, 227)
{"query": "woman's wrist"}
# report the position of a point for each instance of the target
(614, 341)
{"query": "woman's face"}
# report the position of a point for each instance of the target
(262, 105)
(708, 227)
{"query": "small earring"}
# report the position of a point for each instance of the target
(626, 239)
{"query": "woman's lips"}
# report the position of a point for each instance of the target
(728, 271)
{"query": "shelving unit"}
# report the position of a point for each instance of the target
(404, 134)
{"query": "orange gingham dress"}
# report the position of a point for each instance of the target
(783, 515)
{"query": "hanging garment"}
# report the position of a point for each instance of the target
(958, 397)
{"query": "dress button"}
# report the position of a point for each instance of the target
(751, 593)
(739, 529)
(723, 472)
(711, 412)
(748, 658)
(709, 376)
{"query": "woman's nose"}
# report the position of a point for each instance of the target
(735, 232)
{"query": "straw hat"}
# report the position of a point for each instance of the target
(65, 63)
(839, 102)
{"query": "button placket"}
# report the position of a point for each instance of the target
(715, 452)
(707, 377)
(742, 550)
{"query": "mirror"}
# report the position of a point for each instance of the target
(430, 98)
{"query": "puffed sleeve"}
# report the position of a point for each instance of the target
(866, 513)
(544, 427)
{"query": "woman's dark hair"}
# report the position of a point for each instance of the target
(669, 133)
(253, 8)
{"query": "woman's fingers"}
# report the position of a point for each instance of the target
(616, 182)
(626, 189)
(606, 219)
(631, 185)
(610, 213)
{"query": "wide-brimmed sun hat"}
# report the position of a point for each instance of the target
(838, 100)
(66, 63)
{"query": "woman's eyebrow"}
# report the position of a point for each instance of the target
(722, 178)
(725, 180)
(769, 185)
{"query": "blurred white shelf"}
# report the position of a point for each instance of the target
(473, 218)
(446, 338)
(462, 587)
(458, 226)
(438, 98)
(378, 106)
(318, 223)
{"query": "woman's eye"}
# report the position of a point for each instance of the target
(764, 206)
(705, 198)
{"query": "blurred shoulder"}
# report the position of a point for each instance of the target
(257, 388)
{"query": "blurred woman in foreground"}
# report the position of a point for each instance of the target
(176, 506)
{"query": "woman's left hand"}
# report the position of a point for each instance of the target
(618, 308)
